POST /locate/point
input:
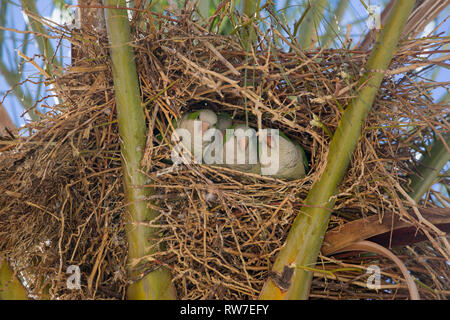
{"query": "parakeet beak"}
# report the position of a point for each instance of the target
(270, 142)
(205, 126)
(243, 142)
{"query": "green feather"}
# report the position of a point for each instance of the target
(224, 115)
(174, 123)
(284, 136)
(227, 134)
(193, 115)
(304, 158)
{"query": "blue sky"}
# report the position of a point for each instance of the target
(13, 42)
(356, 14)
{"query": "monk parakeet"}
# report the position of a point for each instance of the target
(280, 157)
(240, 149)
(196, 123)
(224, 121)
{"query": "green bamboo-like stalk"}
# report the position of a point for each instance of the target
(44, 45)
(311, 22)
(307, 232)
(429, 167)
(132, 131)
(10, 287)
(248, 35)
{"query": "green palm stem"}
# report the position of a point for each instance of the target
(289, 279)
(142, 240)
(310, 24)
(429, 167)
(248, 39)
(248, 32)
(10, 287)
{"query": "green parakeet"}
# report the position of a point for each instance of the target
(284, 159)
(224, 121)
(240, 149)
(196, 123)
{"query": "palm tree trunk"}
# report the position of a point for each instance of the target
(142, 239)
(429, 168)
(10, 287)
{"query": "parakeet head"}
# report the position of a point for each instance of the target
(240, 135)
(206, 116)
(273, 143)
(224, 121)
(242, 139)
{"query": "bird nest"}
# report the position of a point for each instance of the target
(61, 199)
